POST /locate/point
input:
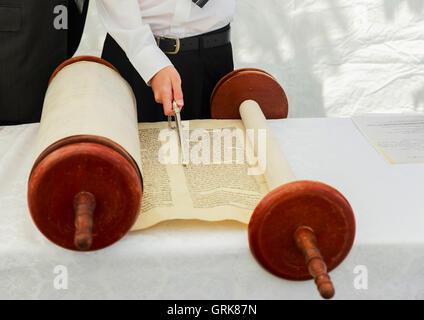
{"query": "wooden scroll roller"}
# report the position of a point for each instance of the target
(85, 187)
(244, 84)
(300, 229)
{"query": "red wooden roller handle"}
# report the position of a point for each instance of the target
(307, 243)
(84, 206)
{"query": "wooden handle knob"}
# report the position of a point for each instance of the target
(307, 243)
(84, 206)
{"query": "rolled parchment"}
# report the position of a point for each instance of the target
(277, 169)
(85, 187)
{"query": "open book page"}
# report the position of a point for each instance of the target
(215, 185)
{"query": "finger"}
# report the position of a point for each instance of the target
(178, 92)
(167, 103)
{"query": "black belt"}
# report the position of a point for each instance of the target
(212, 39)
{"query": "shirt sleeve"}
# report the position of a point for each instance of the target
(122, 20)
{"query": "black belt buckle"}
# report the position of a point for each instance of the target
(200, 3)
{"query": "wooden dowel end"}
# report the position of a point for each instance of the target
(307, 243)
(84, 206)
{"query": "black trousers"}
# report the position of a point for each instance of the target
(30, 50)
(200, 70)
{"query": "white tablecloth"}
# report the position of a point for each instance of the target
(195, 260)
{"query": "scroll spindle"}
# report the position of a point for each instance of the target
(255, 96)
(306, 242)
(84, 206)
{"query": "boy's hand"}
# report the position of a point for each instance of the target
(166, 86)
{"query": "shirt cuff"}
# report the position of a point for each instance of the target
(150, 61)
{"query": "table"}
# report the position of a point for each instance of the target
(200, 260)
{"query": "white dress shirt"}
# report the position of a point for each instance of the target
(134, 23)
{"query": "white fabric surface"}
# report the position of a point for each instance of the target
(194, 260)
(333, 58)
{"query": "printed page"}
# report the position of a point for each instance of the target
(215, 185)
(398, 137)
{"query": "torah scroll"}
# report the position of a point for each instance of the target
(212, 188)
(233, 163)
(85, 187)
